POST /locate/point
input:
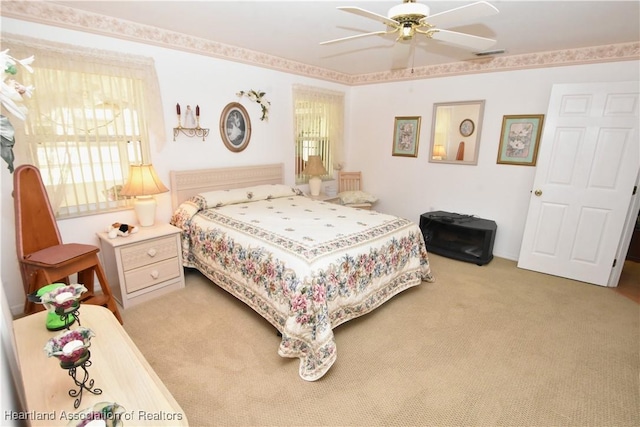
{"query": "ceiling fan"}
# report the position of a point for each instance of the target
(411, 18)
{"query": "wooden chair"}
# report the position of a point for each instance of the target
(352, 181)
(43, 258)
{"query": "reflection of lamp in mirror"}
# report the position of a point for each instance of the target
(314, 169)
(144, 183)
(438, 152)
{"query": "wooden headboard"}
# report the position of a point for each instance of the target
(185, 184)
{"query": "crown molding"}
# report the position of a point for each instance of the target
(65, 17)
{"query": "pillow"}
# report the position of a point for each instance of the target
(271, 191)
(350, 197)
(222, 197)
(241, 195)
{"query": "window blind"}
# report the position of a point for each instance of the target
(88, 120)
(319, 123)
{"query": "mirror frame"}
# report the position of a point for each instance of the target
(453, 131)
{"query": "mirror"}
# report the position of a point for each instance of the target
(455, 132)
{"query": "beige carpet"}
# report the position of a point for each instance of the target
(483, 346)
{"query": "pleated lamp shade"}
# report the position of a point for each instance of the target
(438, 152)
(143, 183)
(314, 169)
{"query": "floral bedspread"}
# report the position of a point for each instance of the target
(306, 266)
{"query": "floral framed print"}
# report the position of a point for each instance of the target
(235, 127)
(520, 139)
(406, 136)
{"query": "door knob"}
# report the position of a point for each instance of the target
(538, 193)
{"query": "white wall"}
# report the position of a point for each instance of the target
(184, 78)
(410, 186)
(405, 186)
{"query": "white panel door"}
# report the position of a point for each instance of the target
(588, 161)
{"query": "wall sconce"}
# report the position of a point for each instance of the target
(192, 124)
(143, 183)
(315, 169)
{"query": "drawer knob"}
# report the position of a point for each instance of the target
(152, 252)
(155, 274)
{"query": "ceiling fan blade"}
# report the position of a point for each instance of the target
(370, 15)
(357, 36)
(461, 14)
(403, 52)
(462, 39)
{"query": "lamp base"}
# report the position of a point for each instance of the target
(145, 207)
(315, 185)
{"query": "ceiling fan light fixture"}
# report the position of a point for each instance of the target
(411, 18)
(407, 31)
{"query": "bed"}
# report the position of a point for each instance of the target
(304, 265)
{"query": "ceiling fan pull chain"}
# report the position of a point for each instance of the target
(413, 59)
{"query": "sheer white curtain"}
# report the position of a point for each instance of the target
(319, 127)
(443, 124)
(92, 114)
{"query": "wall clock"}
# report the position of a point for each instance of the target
(467, 127)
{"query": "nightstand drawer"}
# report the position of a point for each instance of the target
(150, 275)
(144, 253)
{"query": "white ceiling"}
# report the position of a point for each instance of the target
(294, 29)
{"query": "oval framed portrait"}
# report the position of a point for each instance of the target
(235, 127)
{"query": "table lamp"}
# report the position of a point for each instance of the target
(314, 169)
(438, 152)
(143, 183)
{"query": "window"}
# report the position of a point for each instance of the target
(87, 122)
(318, 127)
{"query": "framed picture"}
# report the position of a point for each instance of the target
(520, 139)
(235, 127)
(406, 135)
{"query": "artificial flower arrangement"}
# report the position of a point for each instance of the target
(70, 347)
(11, 96)
(63, 299)
(259, 98)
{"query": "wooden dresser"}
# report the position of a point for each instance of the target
(117, 368)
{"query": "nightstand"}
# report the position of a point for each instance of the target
(143, 265)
